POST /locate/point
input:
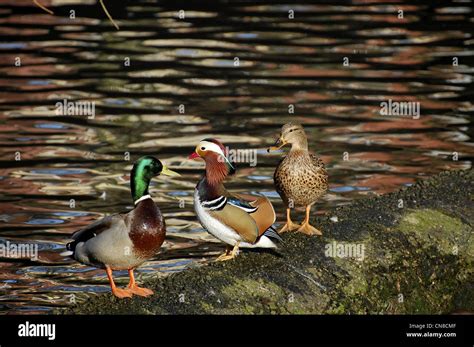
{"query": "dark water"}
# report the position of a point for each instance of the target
(190, 62)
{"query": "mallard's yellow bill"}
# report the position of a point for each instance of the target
(169, 172)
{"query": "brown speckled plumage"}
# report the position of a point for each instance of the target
(301, 178)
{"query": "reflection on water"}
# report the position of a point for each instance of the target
(182, 84)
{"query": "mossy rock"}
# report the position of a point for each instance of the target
(417, 259)
(435, 229)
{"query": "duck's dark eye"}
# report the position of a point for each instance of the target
(203, 148)
(292, 130)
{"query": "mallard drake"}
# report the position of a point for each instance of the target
(124, 241)
(300, 177)
(237, 220)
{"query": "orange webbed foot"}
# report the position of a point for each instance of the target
(121, 293)
(136, 290)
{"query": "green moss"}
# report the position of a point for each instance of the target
(338, 309)
(247, 292)
(424, 259)
(448, 234)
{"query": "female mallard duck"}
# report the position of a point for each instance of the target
(300, 177)
(124, 241)
(237, 220)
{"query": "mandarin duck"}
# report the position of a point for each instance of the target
(237, 220)
(300, 177)
(124, 241)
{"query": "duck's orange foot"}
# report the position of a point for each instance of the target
(289, 226)
(121, 293)
(136, 290)
(225, 257)
(229, 255)
(308, 229)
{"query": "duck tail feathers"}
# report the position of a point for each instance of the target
(273, 234)
(70, 248)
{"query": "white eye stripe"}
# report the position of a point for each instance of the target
(210, 146)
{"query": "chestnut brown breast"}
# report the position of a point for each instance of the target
(147, 229)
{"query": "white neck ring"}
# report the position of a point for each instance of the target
(144, 197)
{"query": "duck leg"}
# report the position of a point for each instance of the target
(225, 254)
(231, 255)
(289, 226)
(42, 7)
(133, 288)
(306, 228)
(118, 292)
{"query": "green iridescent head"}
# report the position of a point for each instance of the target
(143, 171)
